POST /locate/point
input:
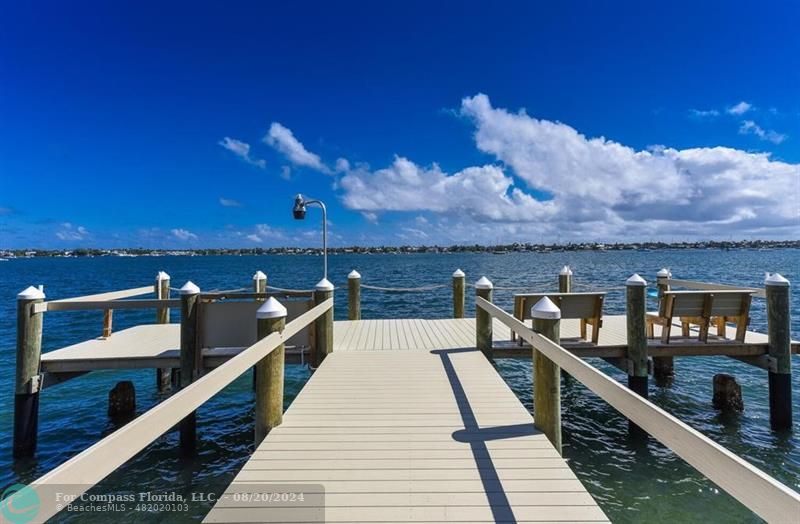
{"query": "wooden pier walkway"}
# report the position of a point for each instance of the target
(432, 434)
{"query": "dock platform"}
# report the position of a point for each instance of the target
(432, 434)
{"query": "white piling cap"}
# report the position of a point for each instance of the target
(565, 271)
(636, 280)
(271, 309)
(545, 309)
(190, 288)
(664, 273)
(324, 285)
(354, 274)
(775, 279)
(162, 275)
(259, 275)
(31, 293)
(458, 274)
(484, 283)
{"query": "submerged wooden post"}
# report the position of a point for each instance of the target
(163, 375)
(26, 391)
(190, 359)
(565, 280)
(780, 350)
(323, 326)
(122, 401)
(727, 393)
(459, 297)
(354, 295)
(547, 375)
(637, 338)
(260, 282)
(663, 367)
(483, 320)
(270, 317)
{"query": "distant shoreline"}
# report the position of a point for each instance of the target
(495, 249)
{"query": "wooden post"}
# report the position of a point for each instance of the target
(663, 367)
(323, 326)
(122, 402)
(108, 320)
(354, 295)
(270, 317)
(483, 320)
(260, 282)
(547, 375)
(163, 375)
(28, 383)
(190, 359)
(459, 295)
(780, 350)
(565, 280)
(727, 393)
(635, 308)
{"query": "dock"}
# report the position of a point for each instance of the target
(407, 419)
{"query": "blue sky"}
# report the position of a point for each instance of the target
(194, 124)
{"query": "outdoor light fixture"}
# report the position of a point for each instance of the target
(299, 212)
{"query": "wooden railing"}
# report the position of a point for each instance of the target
(693, 284)
(764, 495)
(89, 467)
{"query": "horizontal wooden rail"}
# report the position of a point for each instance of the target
(86, 305)
(691, 284)
(84, 470)
(765, 496)
(112, 295)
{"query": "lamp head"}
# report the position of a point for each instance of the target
(299, 210)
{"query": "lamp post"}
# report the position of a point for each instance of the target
(299, 212)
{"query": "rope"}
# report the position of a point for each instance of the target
(515, 288)
(290, 290)
(590, 286)
(404, 289)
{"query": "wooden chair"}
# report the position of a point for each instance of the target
(588, 307)
(701, 308)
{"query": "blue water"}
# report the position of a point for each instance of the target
(632, 483)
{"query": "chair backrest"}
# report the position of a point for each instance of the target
(572, 305)
(232, 323)
(711, 303)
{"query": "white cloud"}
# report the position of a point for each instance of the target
(740, 108)
(255, 238)
(183, 234)
(575, 187)
(749, 127)
(284, 141)
(242, 150)
(704, 113)
(68, 231)
(370, 217)
(229, 202)
(286, 172)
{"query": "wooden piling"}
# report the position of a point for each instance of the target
(190, 359)
(663, 367)
(323, 326)
(483, 320)
(122, 401)
(28, 382)
(635, 310)
(546, 374)
(727, 393)
(270, 317)
(780, 350)
(108, 320)
(260, 282)
(459, 295)
(162, 291)
(565, 280)
(354, 295)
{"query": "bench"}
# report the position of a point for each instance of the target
(588, 307)
(704, 309)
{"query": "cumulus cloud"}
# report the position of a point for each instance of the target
(229, 202)
(749, 127)
(242, 150)
(569, 184)
(740, 108)
(283, 140)
(68, 231)
(183, 234)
